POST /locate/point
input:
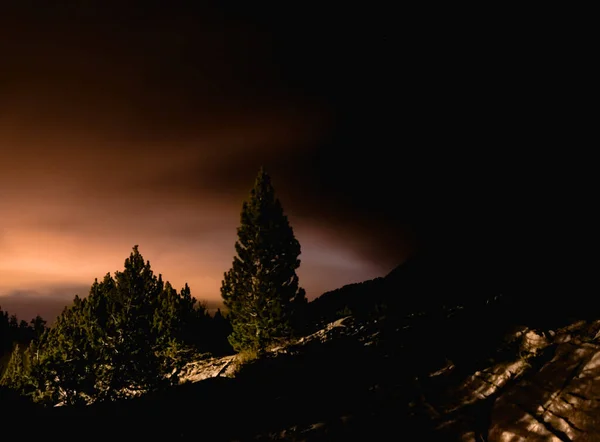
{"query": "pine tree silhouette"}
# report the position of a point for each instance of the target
(261, 289)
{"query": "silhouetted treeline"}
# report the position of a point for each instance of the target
(14, 331)
(132, 334)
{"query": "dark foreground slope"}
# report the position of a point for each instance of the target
(423, 360)
(341, 386)
(369, 380)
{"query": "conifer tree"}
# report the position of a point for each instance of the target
(125, 337)
(261, 288)
(37, 327)
(16, 374)
(68, 362)
(219, 332)
(135, 298)
(13, 331)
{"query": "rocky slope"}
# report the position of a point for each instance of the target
(379, 379)
(534, 387)
(547, 391)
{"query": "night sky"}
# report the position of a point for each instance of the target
(385, 133)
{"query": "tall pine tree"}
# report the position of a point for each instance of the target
(261, 289)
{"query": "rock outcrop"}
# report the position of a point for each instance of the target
(207, 368)
(549, 391)
(560, 400)
(541, 387)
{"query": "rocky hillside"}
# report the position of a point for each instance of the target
(544, 389)
(372, 380)
(534, 388)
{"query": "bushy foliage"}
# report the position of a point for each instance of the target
(130, 335)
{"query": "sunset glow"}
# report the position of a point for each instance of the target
(152, 134)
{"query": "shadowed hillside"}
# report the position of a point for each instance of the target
(419, 378)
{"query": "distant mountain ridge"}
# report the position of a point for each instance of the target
(421, 283)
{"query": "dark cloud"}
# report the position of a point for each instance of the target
(145, 123)
(47, 303)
